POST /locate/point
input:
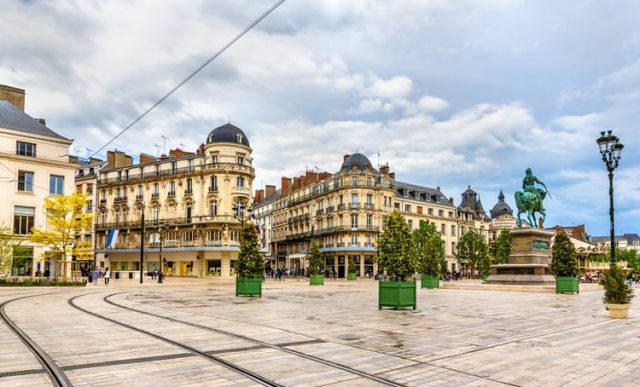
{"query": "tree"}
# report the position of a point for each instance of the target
(250, 263)
(397, 253)
(429, 249)
(630, 256)
(472, 250)
(8, 242)
(503, 247)
(316, 261)
(352, 266)
(563, 256)
(616, 288)
(68, 223)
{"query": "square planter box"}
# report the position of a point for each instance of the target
(396, 294)
(430, 281)
(316, 280)
(351, 276)
(247, 286)
(567, 285)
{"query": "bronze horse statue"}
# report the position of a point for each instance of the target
(531, 204)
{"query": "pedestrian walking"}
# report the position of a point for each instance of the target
(107, 276)
(94, 276)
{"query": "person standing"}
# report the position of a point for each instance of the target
(107, 276)
(94, 276)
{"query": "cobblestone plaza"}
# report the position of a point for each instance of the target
(193, 332)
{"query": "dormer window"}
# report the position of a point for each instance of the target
(239, 138)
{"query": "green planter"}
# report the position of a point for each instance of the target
(396, 294)
(249, 286)
(316, 280)
(567, 285)
(430, 281)
(351, 276)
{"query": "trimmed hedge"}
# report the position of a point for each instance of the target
(27, 282)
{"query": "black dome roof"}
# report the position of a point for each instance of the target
(359, 161)
(227, 133)
(501, 208)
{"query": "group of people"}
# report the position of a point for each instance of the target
(280, 274)
(100, 273)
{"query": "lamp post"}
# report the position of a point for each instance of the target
(610, 149)
(141, 243)
(161, 230)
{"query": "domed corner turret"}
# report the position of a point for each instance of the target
(228, 134)
(501, 208)
(358, 161)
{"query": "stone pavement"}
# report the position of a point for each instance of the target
(322, 335)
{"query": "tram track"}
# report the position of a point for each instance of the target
(281, 348)
(216, 359)
(49, 366)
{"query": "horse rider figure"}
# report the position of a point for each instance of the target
(529, 185)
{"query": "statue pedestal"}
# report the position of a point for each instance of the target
(529, 262)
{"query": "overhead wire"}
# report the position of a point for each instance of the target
(202, 66)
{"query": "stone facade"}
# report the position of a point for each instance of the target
(193, 203)
(344, 214)
(35, 165)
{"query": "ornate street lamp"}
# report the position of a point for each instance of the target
(162, 229)
(610, 149)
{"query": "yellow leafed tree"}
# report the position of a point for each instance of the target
(68, 223)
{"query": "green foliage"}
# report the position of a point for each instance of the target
(250, 263)
(564, 262)
(30, 282)
(8, 242)
(316, 260)
(631, 257)
(397, 253)
(68, 221)
(429, 249)
(503, 247)
(472, 250)
(352, 266)
(616, 288)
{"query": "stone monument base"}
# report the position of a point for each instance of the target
(529, 261)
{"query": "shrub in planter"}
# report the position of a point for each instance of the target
(352, 272)
(316, 266)
(617, 293)
(250, 264)
(430, 254)
(398, 259)
(564, 264)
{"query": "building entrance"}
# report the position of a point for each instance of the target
(341, 268)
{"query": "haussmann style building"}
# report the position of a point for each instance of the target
(193, 205)
(344, 212)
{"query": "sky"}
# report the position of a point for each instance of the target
(449, 94)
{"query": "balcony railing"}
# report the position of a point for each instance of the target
(167, 221)
(213, 189)
(155, 195)
(139, 197)
(319, 212)
(234, 167)
(242, 190)
(171, 194)
(188, 192)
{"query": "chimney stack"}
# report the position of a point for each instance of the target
(145, 158)
(257, 197)
(384, 169)
(284, 183)
(269, 191)
(345, 157)
(392, 175)
(13, 95)
(116, 159)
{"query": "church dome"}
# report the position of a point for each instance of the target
(358, 161)
(501, 208)
(227, 133)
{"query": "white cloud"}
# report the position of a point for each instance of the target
(430, 103)
(395, 87)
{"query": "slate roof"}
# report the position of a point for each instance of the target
(227, 133)
(628, 237)
(276, 195)
(501, 208)
(359, 161)
(13, 118)
(420, 193)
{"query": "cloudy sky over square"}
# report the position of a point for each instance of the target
(450, 94)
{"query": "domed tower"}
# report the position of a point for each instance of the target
(501, 216)
(227, 154)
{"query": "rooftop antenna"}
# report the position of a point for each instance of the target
(157, 150)
(378, 160)
(164, 144)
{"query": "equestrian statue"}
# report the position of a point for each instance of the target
(530, 199)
